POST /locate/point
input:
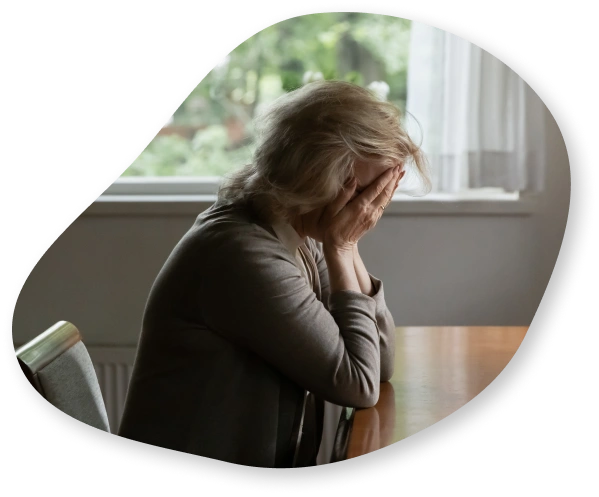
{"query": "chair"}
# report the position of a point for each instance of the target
(58, 366)
(341, 443)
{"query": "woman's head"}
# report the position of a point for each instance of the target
(310, 141)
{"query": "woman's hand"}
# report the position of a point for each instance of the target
(344, 222)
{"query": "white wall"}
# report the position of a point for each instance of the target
(438, 269)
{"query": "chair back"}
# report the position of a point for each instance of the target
(58, 366)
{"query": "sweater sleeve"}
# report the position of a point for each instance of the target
(384, 319)
(254, 295)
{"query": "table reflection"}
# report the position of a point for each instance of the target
(437, 371)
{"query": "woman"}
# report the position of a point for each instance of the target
(264, 309)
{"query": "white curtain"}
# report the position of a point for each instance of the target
(479, 123)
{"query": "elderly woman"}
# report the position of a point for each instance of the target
(264, 309)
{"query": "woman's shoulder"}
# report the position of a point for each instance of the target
(227, 227)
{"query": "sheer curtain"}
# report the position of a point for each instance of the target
(479, 123)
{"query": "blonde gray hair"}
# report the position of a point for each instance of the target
(308, 141)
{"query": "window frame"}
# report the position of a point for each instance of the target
(183, 196)
(164, 185)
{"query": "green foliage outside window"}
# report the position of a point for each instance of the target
(211, 132)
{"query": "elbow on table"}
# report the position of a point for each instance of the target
(356, 386)
(387, 373)
(366, 397)
(365, 401)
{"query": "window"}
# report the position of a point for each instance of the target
(211, 132)
(448, 84)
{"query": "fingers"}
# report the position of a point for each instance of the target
(401, 175)
(386, 195)
(378, 186)
(386, 192)
(343, 198)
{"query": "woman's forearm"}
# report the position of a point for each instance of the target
(362, 274)
(342, 275)
(384, 319)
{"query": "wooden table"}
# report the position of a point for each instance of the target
(437, 371)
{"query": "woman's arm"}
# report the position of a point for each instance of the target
(384, 319)
(362, 273)
(342, 274)
(252, 293)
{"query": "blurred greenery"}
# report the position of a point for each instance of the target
(211, 132)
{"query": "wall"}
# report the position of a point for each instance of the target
(438, 269)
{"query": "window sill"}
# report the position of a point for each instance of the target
(434, 205)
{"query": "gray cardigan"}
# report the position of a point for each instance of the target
(232, 339)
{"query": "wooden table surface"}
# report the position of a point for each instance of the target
(437, 371)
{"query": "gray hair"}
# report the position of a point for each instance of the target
(308, 141)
